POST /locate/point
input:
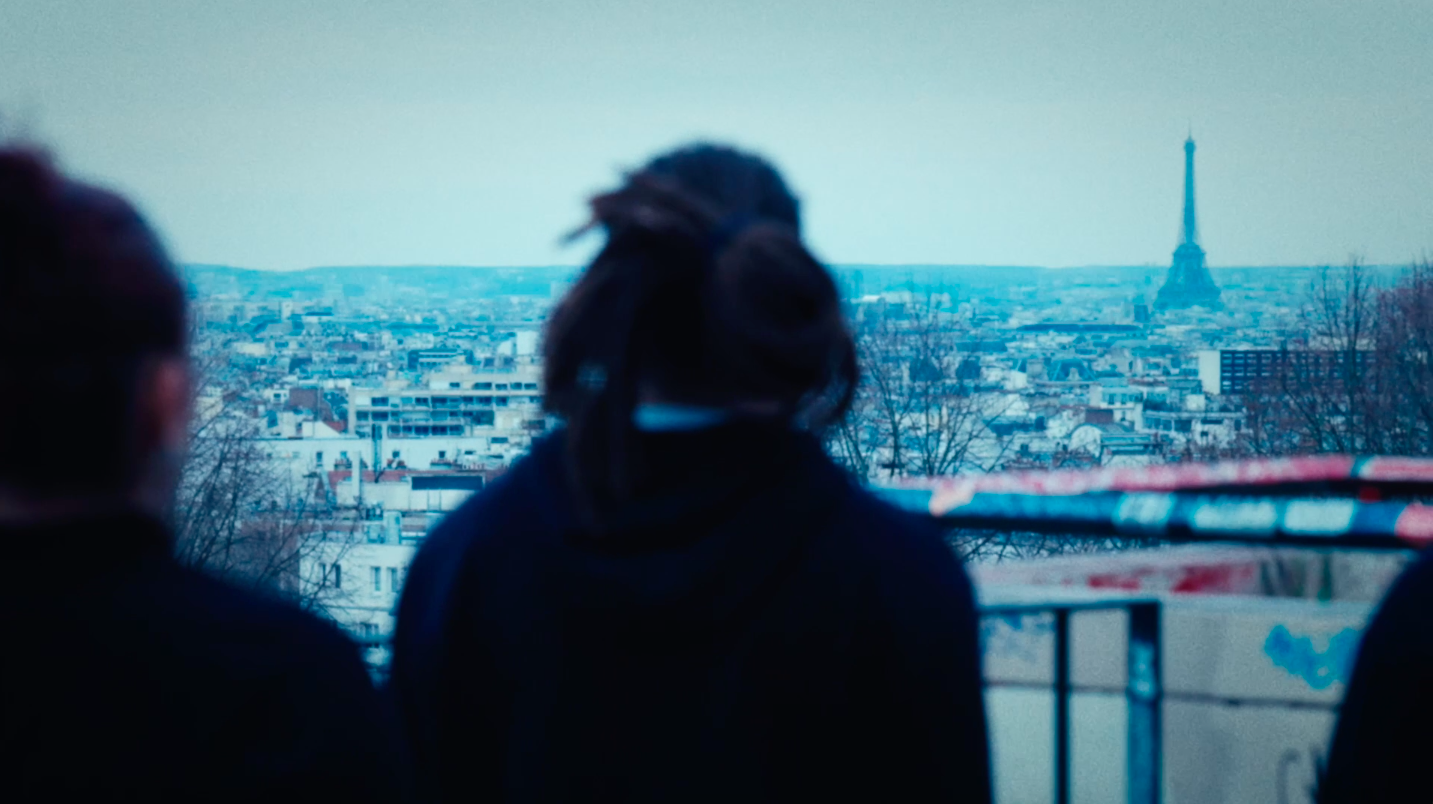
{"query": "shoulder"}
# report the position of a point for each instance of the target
(489, 527)
(894, 539)
(1416, 580)
(522, 495)
(917, 579)
(1402, 616)
(264, 634)
(904, 558)
(921, 608)
(287, 686)
(231, 608)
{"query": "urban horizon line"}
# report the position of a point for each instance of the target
(200, 265)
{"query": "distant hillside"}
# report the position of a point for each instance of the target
(363, 280)
(457, 281)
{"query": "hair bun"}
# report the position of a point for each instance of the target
(778, 309)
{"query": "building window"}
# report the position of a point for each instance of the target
(318, 458)
(502, 386)
(393, 579)
(363, 415)
(442, 454)
(337, 576)
(422, 400)
(454, 385)
(396, 453)
(380, 401)
(482, 386)
(378, 579)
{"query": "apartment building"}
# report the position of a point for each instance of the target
(453, 405)
(1240, 371)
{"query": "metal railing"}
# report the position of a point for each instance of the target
(1323, 502)
(1144, 691)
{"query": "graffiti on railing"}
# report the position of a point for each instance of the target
(1301, 657)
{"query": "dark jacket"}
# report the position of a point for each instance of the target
(1383, 738)
(126, 677)
(753, 628)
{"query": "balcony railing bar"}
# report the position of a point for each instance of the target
(1143, 691)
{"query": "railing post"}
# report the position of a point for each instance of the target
(1062, 706)
(1144, 695)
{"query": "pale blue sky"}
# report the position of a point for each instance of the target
(283, 134)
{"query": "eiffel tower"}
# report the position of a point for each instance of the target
(1189, 283)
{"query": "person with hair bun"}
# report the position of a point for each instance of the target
(677, 596)
(126, 677)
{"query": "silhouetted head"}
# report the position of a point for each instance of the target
(704, 294)
(92, 342)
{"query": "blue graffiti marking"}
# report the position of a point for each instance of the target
(1318, 668)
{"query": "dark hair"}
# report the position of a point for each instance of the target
(87, 298)
(705, 292)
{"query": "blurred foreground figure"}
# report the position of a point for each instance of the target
(124, 676)
(678, 597)
(1382, 737)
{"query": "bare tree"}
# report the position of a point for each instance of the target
(992, 546)
(1359, 381)
(1326, 385)
(241, 515)
(1404, 346)
(917, 411)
